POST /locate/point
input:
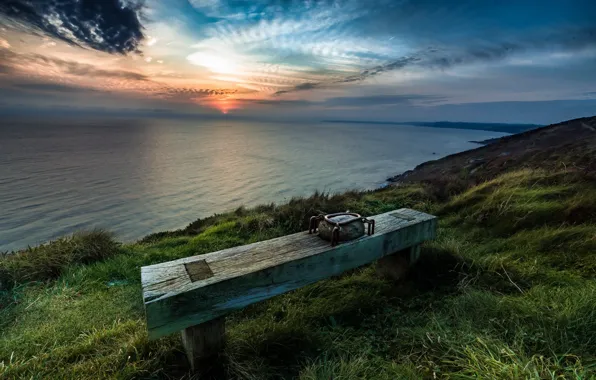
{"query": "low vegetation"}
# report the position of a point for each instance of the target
(49, 261)
(507, 290)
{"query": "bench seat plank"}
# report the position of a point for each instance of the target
(193, 290)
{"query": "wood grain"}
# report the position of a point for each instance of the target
(255, 272)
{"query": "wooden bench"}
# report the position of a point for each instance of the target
(193, 294)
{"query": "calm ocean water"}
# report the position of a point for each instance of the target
(140, 176)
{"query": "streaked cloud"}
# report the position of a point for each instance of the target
(50, 87)
(357, 101)
(564, 41)
(383, 100)
(52, 64)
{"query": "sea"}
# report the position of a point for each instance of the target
(139, 176)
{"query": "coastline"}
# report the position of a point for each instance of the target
(515, 243)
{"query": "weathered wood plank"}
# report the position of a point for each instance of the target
(231, 279)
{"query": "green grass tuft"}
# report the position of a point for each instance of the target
(50, 260)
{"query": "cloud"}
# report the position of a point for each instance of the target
(562, 40)
(274, 102)
(14, 60)
(383, 100)
(111, 26)
(36, 74)
(299, 87)
(83, 69)
(275, 47)
(51, 87)
(355, 101)
(395, 65)
(4, 44)
(197, 92)
(5, 69)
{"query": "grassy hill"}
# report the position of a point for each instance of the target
(570, 145)
(507, 290)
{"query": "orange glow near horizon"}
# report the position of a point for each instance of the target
(224, 105)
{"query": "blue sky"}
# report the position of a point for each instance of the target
(493, 61)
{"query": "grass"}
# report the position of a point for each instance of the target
(48, 261)
(507, 290)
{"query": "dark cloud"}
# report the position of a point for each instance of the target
(306, 86)
(112, 26)
(565, 40)
(382, 100)
(274, 102)
(395, 65)
(198, 92)
(355, 101)
(299, 87)
(38, 93)
(52, 87)
(5, 69)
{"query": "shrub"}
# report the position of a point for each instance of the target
(48, 261)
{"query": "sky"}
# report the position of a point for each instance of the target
(391, 60)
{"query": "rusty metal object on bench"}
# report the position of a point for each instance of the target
(340, 226)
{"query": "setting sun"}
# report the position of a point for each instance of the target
(224, 105)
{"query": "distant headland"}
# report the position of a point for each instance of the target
(492, 127)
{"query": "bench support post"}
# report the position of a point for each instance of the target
(396, 265)
(204, 342)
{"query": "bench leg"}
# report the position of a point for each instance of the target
(203, 342)
(395, 266)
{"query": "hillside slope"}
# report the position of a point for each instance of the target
(506, 291)
(569, 145)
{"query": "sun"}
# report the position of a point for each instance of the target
(223, 105)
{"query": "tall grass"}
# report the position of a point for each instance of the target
(49, 261)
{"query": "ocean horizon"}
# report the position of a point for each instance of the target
(139, 176)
